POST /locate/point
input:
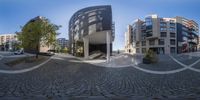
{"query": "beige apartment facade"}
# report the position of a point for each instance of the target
(162, 35)
(7, 37)
(7, 41)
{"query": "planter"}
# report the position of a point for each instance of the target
(146, 61)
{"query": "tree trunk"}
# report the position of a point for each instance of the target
(37, 51)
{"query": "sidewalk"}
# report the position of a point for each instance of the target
(120, 60)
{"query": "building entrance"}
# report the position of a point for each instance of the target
(158, 50)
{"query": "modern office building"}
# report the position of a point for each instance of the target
(63, 43)
(88, 28)
(164, 35)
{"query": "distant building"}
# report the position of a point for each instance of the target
(163, 35)
(63, 43)
(88, 28)
(7, 37)
(129, 47)
(6, 41)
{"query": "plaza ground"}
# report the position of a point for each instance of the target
(67, 77)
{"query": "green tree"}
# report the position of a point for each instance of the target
(38, 31)
(57, 47)
(65, 50)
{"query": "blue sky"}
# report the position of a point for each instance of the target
(15, 13)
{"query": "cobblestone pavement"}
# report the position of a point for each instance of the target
(186, 59)
(62, 79)
(165, 63)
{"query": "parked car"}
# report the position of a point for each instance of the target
(19, 52)
(51, 52)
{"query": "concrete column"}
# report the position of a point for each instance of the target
(86, 47)
(108, 46)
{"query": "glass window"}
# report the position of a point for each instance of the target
(172, 21)
(92, 19)
(185, 33)
(83, 17)
(82, 32)
(184, 28)
(148, 34)
(163, 24)
(161, 41)
(163, 29)
(92, 14)
(163, 34)
(81, 23)
(173, 50)
(137, 50)
(172, 35)
(137, 44)
(92, 28)
(161, 20)
(172, 24)
(143, 50)
(185, 38)
(151, 42)
(76, 22)
(134, 25)
(99, 27)
(148, 21)
(100, 17)
(172, 41)
(149, 28)
(143, 43)
(76, 28)
(172, 29)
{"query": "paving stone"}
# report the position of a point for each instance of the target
(64, 79)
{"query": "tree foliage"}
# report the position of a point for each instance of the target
(38, 32)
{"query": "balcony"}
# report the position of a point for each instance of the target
(143, 28)
(194, 33)
(190, 36)
(193, 41)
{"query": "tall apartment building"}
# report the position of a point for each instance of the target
(88, 28)
(164, 35)
(62, 42)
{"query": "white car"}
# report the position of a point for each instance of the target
(19, 52)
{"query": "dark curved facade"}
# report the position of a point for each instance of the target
(91, 25)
